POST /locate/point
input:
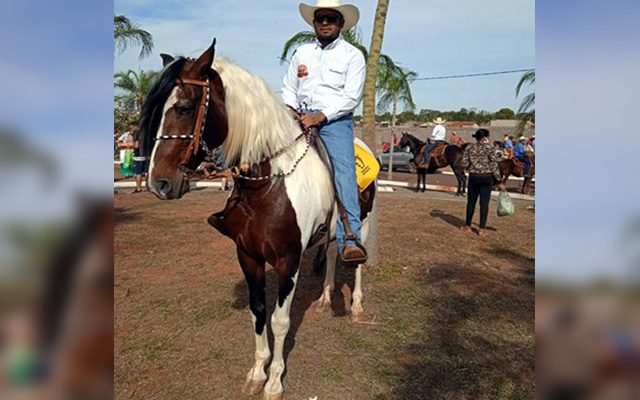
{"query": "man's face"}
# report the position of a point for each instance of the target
(327, 24)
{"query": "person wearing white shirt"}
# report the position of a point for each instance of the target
(324, 84)
(437, 136)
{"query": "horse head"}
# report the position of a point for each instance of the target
(182, 118)
(405, 140)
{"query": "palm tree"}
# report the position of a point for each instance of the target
(136, 86)
(394, 90)
(126, 33)
(527, 107)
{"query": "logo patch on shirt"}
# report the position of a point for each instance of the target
(302, 71)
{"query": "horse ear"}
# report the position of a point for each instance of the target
(166, 59)
(203, 63)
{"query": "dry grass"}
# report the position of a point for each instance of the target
(454, 312)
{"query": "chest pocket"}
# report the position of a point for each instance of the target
(335, 74)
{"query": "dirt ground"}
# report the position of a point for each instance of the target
(452, 313)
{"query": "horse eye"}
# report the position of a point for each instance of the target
(184, 111)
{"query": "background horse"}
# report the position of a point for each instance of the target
(452, 156)
(510, 167)
(280, 200)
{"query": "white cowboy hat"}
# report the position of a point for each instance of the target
(348, 11)
(439, 121)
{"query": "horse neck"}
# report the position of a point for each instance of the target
(415, 145)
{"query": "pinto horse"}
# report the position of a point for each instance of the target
(283, 192)
(452, 156)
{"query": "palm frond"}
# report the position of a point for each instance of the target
(528, 78)
(127, 33)
(527, 103)
(295, 41)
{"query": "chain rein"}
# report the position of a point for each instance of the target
(305, 133)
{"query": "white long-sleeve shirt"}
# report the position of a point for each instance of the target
(439, 132)
(329, 79)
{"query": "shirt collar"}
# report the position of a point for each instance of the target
(330, 45)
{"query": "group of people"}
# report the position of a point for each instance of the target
(520, 149)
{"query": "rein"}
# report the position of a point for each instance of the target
(236, 171)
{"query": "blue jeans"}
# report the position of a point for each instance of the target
(527, 165)
(337, 136)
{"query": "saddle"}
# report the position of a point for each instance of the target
(437, 155)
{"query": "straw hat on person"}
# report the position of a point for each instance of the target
(349, 12)
(439, 121)
(522, 139)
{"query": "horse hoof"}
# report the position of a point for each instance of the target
(278, 396)
(251, 388)
(356, 317)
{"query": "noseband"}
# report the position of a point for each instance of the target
(196, 138)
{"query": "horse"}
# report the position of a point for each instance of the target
(283, 193)
(452, 156)
(511, 166)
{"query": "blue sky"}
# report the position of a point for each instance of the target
(440, 37)
(586, 105)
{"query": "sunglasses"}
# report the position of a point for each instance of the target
(331, 19)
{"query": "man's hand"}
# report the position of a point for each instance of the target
(312, 119)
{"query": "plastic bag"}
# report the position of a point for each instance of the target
(128, 159)
(505, 205)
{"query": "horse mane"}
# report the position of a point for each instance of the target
(153, 106)
(259, 123)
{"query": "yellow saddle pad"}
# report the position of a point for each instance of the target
(367, 167)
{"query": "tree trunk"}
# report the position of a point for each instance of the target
(369, 115)
(393, 129)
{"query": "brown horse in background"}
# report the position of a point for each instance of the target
(511, 166)
(452, 156)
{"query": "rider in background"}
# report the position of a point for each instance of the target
(508, 143)
(437, 137)
(455, 139)
(520, 153)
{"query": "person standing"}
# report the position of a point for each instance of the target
(125, 145)
(437, 136)
(325, 82)
(480, 161)
(140, 162)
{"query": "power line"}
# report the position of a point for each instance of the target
(430, 78)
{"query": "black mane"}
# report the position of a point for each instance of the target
(152, 109)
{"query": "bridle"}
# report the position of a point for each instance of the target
(197, 140)
(196, 137)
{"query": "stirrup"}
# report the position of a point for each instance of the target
(354, 262)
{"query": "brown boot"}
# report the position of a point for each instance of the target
(352, 255)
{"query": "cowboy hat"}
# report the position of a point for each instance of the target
(349, 12)
(522, 139)
(439, 121)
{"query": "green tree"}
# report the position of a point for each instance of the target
(505, 113)
(127, 33)
(136, 86)
(394, 90)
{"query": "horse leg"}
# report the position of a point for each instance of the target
(324, 302)
(356, 295)
(424, 181)
(525, 185)
(280, 322)
(418, 181)
(254, 274)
